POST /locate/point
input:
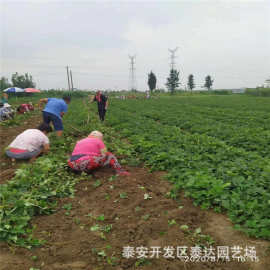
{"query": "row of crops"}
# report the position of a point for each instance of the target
(183, 136)
(245, 128)
(36, 187)
(215, 148)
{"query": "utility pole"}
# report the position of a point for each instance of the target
(71, 80)
(132, 78)
(68, 78)
(172, 64)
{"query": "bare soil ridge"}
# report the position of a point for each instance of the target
(135, 221)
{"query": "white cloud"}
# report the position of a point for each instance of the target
(227, 39)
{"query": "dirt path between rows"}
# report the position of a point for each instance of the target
(126, 218)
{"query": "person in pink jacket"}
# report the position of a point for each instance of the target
(90, 153)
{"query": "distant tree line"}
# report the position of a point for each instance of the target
(17, 80)
(208, 82)
(173, 81)
(26, 81)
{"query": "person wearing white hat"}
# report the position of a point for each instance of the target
(91, 153)
(6, 112)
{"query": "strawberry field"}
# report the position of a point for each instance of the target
(212, 149)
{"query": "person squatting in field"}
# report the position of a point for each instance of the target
(6, 112)
(54, 111)
(91, 153)
(24, 108)
(30, 144)
(102, 102)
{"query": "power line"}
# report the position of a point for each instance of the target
(68, 78)
(132, 78)
(71, 80)
(172, 51)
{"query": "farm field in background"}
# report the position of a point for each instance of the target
(213, 148)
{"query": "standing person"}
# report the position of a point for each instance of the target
(30, 144)
(54, 111)
(102, 102)
(91, 153)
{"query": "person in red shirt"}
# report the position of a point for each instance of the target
(102, 102)
(23, 108)
(91, 153)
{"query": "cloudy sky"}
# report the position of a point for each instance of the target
(229, 40)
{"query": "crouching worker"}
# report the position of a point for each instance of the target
(24, 108)
(91, 153)
(6, 112)
(30, 144)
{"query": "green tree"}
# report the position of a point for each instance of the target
(173, 80)
(4, 83)
(208, 82)
(152, 81)
(191, 83)
(22, 81)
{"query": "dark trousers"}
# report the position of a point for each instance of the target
(57, 121)
(101, 112)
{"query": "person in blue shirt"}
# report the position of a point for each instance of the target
(54, 111)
